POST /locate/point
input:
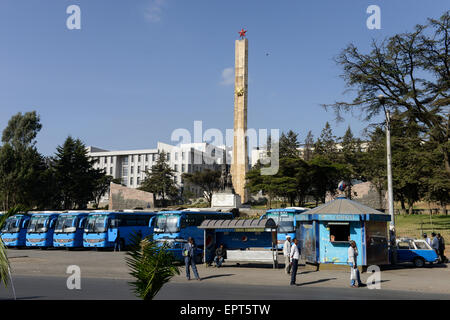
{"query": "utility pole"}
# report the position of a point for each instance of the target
(392, 237)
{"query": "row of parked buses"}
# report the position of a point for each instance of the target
(105, 229)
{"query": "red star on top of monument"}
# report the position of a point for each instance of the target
(242, 33)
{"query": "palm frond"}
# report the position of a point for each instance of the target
(152, 267)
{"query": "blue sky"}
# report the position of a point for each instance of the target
(137, 70)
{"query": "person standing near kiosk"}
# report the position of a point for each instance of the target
(189, 259)
(286, 253)
(294, 255)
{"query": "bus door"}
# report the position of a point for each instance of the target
(112, 229)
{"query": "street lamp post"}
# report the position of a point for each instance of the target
(382, 101)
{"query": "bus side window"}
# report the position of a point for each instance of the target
(114, 223)
(184, 222)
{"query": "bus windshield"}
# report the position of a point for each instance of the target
(11, 225)
(65, 224)
(96, 223)
(37, 224)
(167, 223)
(284, 221)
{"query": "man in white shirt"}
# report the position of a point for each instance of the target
(294, 255)
(286, 253)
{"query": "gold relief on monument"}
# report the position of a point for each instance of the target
(240, 92)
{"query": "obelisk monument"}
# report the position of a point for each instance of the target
(239, 165)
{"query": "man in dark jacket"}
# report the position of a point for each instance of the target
(221, 255)
(189, 258)
(441, 249)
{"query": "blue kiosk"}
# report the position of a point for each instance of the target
(324, 233)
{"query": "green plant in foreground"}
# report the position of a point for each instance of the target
(152, 267)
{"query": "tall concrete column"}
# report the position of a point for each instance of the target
(239, 164)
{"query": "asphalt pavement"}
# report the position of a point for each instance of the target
(48, 287)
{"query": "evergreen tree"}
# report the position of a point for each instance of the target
(326, 144)
(309, 145)
(289, 145)
(412, 71)
(75, 178)
(160, 180)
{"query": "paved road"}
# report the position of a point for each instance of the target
(44, 287)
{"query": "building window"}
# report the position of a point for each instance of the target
(139, 158)
(176, 156)
(146, 168)
(131, 181)
(146, 157)
(110, 170)
(125, 172)
(175, 167)
(138, 181)
(183, 156)
(139, 169)
(125, 161)
(183, 168)
(111, 159)
(168, 156)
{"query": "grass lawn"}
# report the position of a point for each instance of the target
(414, 225)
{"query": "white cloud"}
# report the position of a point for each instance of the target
(153, 10)
(227, 76)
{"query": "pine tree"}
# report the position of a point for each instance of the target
(326, 144)
(160, 180)
(309, 145)
(75, 178)
(289, 145)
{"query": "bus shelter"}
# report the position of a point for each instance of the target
(245, 239)
(326, 231)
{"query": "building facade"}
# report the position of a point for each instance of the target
(130, 166)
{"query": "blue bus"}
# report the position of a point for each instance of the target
(14, 230)
(41, 229)
(286, 222)
(175, 227)
(104, 229)
(69, 229)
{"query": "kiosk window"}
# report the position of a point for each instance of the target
(339, 232)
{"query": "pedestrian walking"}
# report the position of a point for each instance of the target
(441, 248)
(352, 259)
(221, 255)
(294, 256)
(118, 243)
(287, 253)
(189, 258)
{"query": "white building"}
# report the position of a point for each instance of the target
(130, 165)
